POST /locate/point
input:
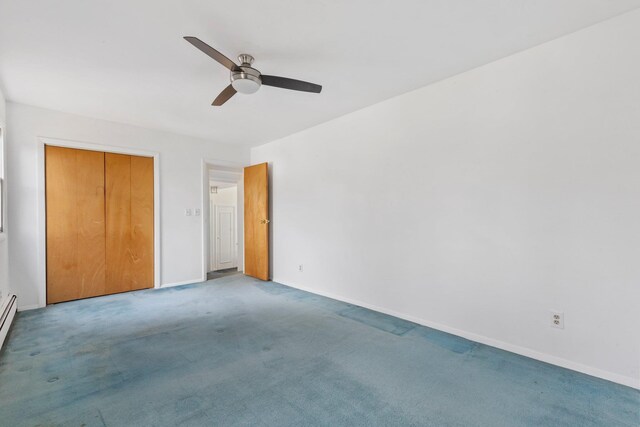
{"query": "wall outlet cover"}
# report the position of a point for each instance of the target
(557, 319)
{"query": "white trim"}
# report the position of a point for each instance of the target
(29, 307)
(211, 258)
(523, 351)
(184, 282)
(3, 176)
(41, 208)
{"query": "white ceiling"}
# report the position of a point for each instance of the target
(126, 61)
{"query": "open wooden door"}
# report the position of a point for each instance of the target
(256, 221)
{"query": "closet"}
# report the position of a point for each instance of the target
(99, 223)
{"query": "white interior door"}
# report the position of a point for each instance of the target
(225, 237)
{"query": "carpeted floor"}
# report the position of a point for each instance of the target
(242, 352)
(212, 275)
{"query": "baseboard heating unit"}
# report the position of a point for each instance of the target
(7, 312)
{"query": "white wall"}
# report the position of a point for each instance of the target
(3, 108)
(4, 245)
(181, 187)
(478, 204)
(225, 196)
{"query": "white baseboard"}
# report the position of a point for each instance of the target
(523, 351)
(185, 282)
(29, 307)
(165, 285)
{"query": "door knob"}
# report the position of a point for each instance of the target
(265, 221)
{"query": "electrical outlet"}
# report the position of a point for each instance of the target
(557, 320)
(187, 212)
(197, 211)
(300, 268)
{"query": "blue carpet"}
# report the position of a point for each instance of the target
(242, 352)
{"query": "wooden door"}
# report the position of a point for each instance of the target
(256, 221)
(225, 236)
(99, 223)
(142, 237)
(129, 222)
(75, 223)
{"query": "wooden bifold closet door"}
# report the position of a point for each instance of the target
(75, 224)
(99, 223)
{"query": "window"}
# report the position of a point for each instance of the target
(2, 189)
(1, 205)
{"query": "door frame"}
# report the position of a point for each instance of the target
(42, 205)
(225, 171)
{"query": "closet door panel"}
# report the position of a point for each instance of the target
(118, 218)
(129, 217)
(75, 223)
(91, 223)
(142, 222)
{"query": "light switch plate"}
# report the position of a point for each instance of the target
(187, 212)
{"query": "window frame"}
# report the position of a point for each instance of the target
(3, 185)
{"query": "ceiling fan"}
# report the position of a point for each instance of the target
(246, 79)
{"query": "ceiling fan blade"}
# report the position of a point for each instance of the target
(212, 53)
(292, 84)
(224, 96)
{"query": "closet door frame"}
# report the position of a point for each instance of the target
(42, 206)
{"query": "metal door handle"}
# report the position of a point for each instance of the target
(265, 221)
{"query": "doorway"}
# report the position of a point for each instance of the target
(223, 217)
(251, 255)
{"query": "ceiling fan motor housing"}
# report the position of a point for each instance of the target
(247, 80)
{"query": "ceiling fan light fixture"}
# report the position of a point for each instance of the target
(245, 83)
(246, 79)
